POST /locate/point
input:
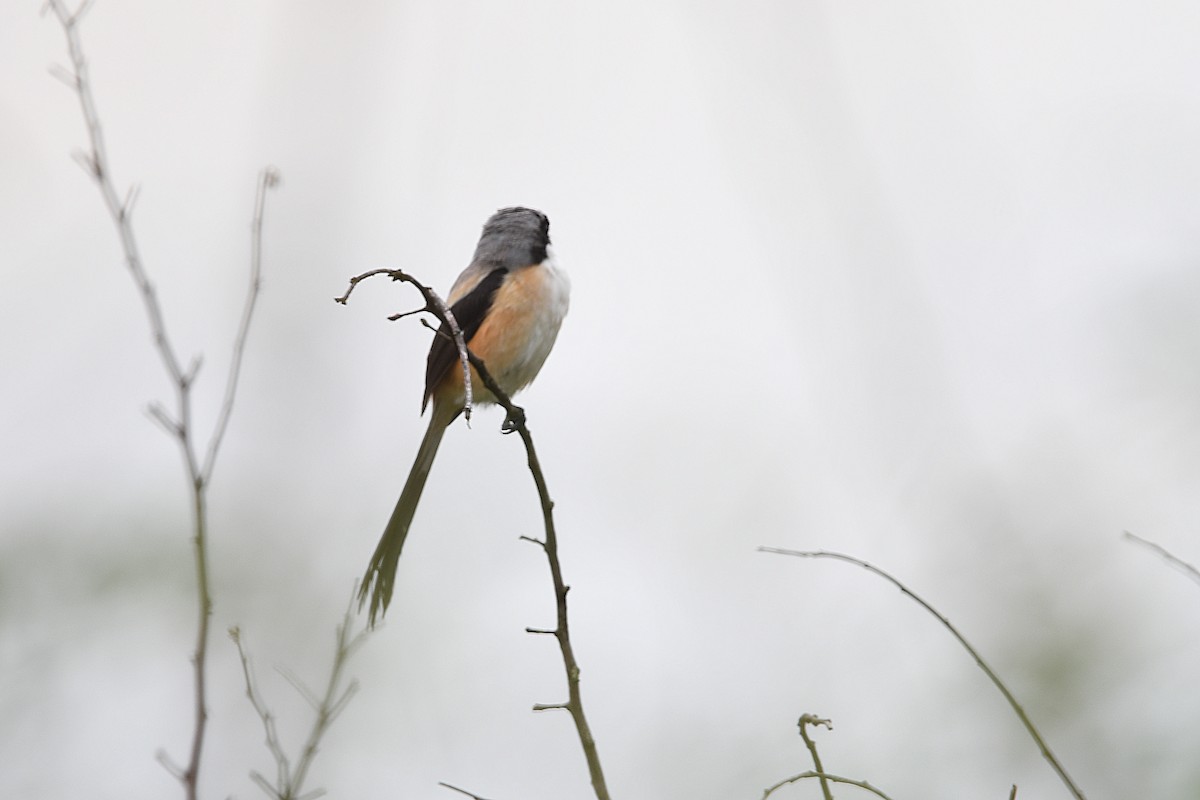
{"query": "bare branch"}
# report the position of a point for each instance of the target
(193, 370)
(334, 699)
(811, 719)
(1012, 701)
(461, 791)
(131, 197)
(169, 765)
(551, 706)
(824, 776)
(356, 280)
(264, 784)
(179, 426)
(435, 305)
(66, 76)
(299, 686)
(515, 422)
(267, 179)
(1167, 556)
(160, 415)
(264, 714)
(819, 773)
(84, 7)
(289, 781)
(95, 163)
(84, 160)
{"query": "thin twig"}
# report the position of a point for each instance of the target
(299, 685)
(169, 765)
(1012, 701)
(805, 721)
(335, 698)
(283, 768)
(267, 180)
(824, 776)
(1167, 555)
(515, 421)
(289, 781)
(819, 773)
(454, 788)
(179, 426)
(435, 305)
(96, 165)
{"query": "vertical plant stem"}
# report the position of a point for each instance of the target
(810, 719)
(200, 657)
(179, 427)
(562, 632)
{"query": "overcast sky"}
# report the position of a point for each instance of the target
(917, 282)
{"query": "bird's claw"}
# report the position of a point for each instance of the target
(514, 420)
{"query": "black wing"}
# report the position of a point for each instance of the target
(469, 312)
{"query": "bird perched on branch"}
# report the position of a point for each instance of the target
(508, 303)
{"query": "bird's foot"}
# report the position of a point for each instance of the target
(515, 419)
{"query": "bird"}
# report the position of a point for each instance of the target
(509, 303)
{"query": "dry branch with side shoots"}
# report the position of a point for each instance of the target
(983, 665)
(289, 778)
(819, 772)
(515, 421)
(177, 423)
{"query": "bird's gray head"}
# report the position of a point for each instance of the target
(514, 238)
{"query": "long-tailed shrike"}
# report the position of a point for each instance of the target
(509, 303)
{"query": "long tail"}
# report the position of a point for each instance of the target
(381, 573)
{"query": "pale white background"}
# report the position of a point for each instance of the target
(913, 281)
